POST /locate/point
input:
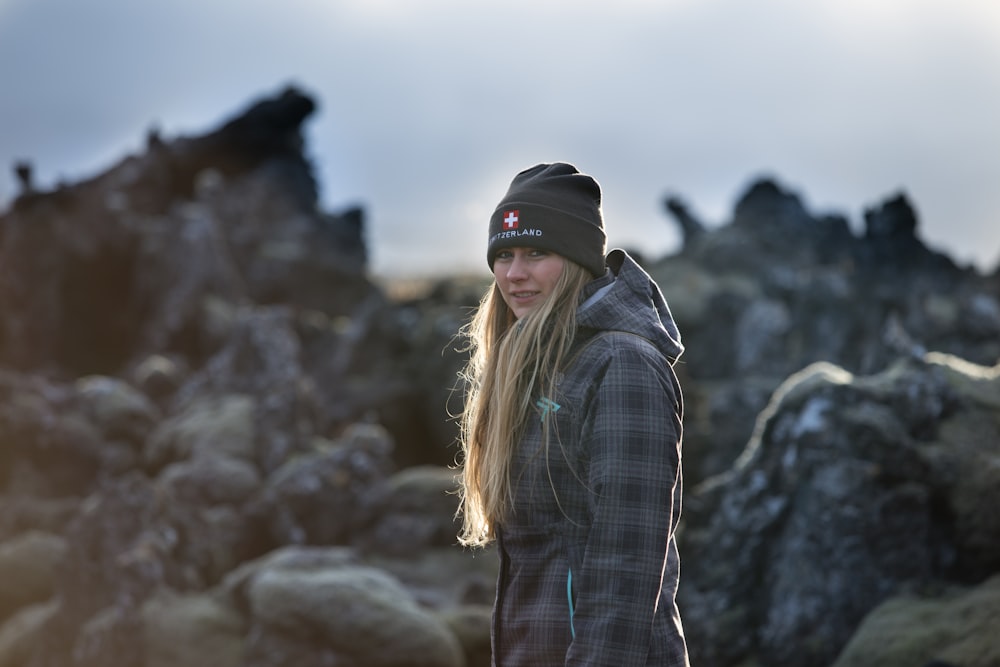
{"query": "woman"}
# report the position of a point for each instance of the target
(571, 436)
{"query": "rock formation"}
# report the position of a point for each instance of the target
(842, 416)
(222, 443)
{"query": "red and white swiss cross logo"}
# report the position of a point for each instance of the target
(510, 219)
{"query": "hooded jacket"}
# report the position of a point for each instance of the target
(588, 558)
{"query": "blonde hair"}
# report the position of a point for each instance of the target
(511, 362)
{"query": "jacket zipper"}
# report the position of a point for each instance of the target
(569, 599)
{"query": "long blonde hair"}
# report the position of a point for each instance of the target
(511, 362)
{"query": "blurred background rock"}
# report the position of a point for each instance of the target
(222, 441)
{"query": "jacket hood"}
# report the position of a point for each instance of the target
(628, 299)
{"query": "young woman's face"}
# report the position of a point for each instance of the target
(526, 276)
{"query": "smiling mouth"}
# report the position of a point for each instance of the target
(523, 295)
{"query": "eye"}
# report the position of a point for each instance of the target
(538, 252)
(503, 255)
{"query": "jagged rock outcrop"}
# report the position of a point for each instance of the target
(197, 371)
(814, 495)
(778, 288)
(222, 443)
(853, 489)
(96, 273)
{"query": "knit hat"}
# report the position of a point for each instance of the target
(553, 207)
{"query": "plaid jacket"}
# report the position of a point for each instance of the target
(588, 560)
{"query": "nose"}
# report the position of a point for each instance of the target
(517, 269)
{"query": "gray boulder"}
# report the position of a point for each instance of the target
(23, 632)
(317, 496)
(846, 495)
(191, 629)
(324, 606)
(412, 510)
(120, 411)
(28, 564)
(218, 426)
(953, 626)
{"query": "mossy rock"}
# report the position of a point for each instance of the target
(958, 628)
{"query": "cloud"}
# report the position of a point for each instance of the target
(427, 110)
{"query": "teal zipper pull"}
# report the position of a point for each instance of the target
(569, 597)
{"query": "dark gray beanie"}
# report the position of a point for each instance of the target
(553, 207)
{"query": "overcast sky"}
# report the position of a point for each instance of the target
(427, 109)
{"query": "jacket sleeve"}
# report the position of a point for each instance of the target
(632, 431)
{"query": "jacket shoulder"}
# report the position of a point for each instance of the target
(609, 342)
(635, 352)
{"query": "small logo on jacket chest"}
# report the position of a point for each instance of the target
(546, 405)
